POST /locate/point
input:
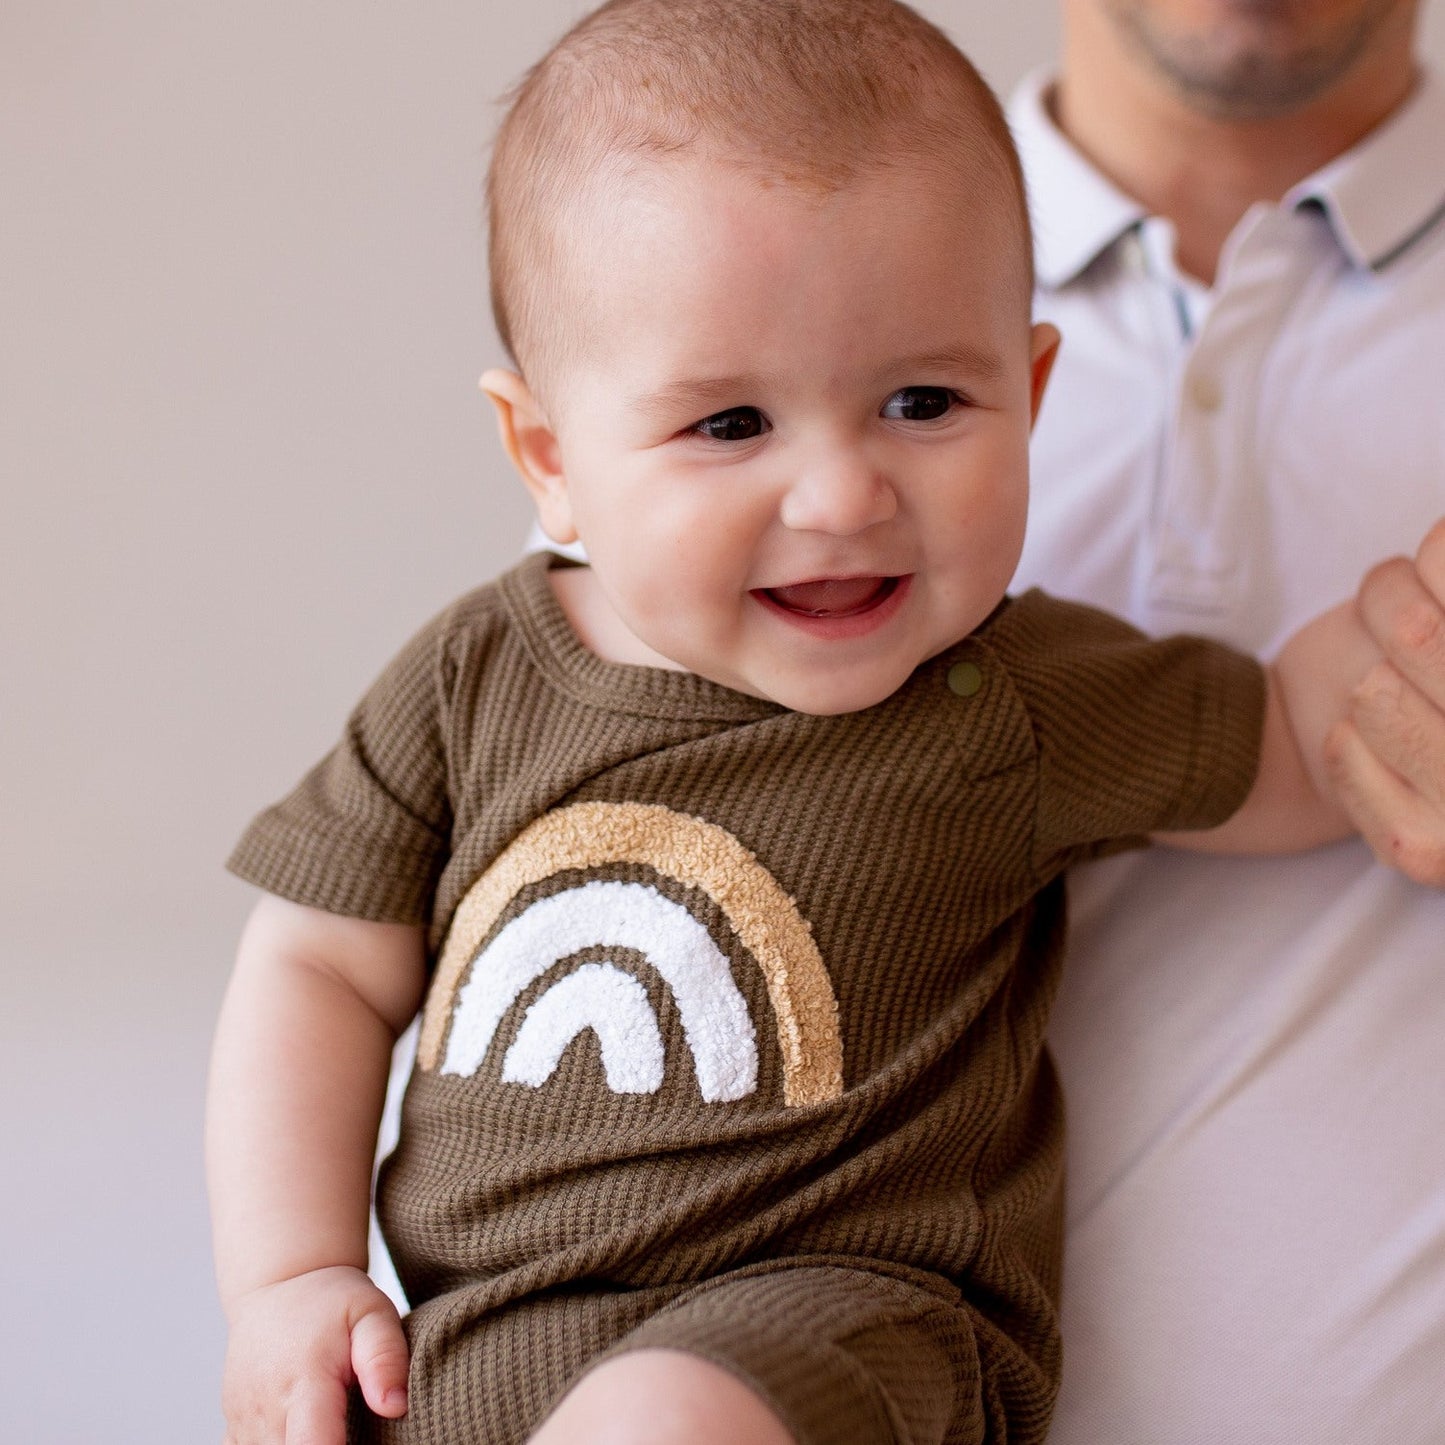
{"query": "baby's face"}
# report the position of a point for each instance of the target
(796, 445)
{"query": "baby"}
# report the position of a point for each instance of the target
(726, 871)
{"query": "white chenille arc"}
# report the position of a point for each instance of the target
(600, 997)
(607, 914)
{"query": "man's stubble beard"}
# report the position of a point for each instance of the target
(1230, 75)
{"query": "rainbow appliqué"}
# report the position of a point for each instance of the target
(483, 969)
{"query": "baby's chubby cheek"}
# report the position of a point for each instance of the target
(665, 611)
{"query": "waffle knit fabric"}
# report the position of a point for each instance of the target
(734, 1039)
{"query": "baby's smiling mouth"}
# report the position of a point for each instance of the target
(832, 596)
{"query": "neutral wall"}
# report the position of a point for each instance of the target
(241, 456)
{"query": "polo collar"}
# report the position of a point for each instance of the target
(1384, 194)
(1077, 214)
(1380, 196)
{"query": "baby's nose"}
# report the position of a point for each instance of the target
(839, 495)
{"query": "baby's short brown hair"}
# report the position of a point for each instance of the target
(804, 92)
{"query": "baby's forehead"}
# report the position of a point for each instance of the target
(745, 221)
(807, 98)
(697, 188)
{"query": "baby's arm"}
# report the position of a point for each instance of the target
(298, 1078)
(1293, 803)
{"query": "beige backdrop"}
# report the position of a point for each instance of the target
(242, 455)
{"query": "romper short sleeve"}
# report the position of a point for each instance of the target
(366, 832)
(1134, 735)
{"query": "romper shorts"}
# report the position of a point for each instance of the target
(843, 1353)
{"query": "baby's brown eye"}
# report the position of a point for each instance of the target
(919, 403)
(739, 425)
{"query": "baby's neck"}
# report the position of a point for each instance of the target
(597, 625)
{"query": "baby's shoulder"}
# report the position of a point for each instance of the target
(470, 627)
(476, 614)
(1067, 658)
(1034, 625)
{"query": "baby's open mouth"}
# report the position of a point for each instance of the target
(833, 596)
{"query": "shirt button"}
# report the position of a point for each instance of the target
(964, 679)
(1204, 393)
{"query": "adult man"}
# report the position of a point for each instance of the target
(1240, 209)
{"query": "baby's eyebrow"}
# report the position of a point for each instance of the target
(700, 395)
(975, 361)
(696, 395)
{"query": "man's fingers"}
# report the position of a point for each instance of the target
(1404, 730)
(1387, 760)
(379, 1357)
(1402, 604)
(1404, 830)
(1430, 559)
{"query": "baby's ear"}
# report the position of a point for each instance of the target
(532, 445)
(1043, 352)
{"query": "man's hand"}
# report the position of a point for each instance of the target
(295, 1349)
(1387, 759)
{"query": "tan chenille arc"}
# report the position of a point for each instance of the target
(697, 854)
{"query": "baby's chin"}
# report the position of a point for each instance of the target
(830, 702)
(822, 692)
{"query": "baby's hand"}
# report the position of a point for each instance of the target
(295, 1348)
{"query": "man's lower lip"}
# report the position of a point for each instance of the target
(855, 621)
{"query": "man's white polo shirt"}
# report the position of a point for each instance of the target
(1253, 1052)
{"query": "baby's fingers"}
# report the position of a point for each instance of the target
(379, 1357)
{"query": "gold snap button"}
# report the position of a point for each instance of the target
(964, 679)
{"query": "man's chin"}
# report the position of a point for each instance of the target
(1250, 67)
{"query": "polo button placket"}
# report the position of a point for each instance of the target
(1211, 496)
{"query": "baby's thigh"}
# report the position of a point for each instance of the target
(829, 1354)
(819, 1354)
(488, 1376)
(660, 1397)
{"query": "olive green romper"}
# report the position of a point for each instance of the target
(734, 1039)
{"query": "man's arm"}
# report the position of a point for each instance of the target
(298, 1078)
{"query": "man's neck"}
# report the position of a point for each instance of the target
(1201, 171)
